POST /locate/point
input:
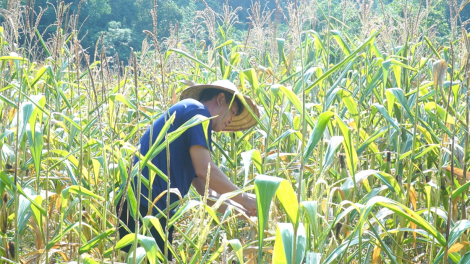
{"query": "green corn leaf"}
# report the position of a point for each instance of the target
(37, 215)
(310, 208)
(8, 101)
(459, 228)
(56, 239)
(385, 68)
(123, 99)
(400, 210)
(228, 42)
(385, 114)
(237, 247)
(267, 187)
(89, 260)
(245, 104)
(44, 46)
(68, 156)
(284, 245)
(339, 251)
(186, 55)
(189, 205)
(301, 244)
(370, 139)
(152, 220)
(432, 48)
(351, 154)
(295, 102)
(92, 243)
(250, 75)
(317, 41)
(151, 152)
(339, 39)
(280, 48)
(251, 157)
(81, 191)
(454, 235)
(430, 108)
(390, 101)
(25, 114)
(139, 256)
(402, 65)
(400, 96)
(335, 142)
(124, 241)
(288, 200)
(7, 182)
(317, 133)
(460, 190)
(65, 194)
(35, 144)
(465, 259)
(350, 103)
(38, 76)
(313, 258)
(424, 151)
(17, 58)
(385, 178)
(23, 209)
(150, 247)
(350, 57)
(284, 135)
(38, 112)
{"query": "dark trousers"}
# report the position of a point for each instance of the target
(129, 221)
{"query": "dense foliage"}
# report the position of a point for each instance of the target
(123, 21)
(360, 155)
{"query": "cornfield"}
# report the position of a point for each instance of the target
(360, 154)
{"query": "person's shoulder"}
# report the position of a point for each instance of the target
(191, 106)
(190, 103)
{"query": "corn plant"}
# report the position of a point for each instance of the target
(360, 154)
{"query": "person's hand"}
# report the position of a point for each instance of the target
(242, 214)
(249, 204)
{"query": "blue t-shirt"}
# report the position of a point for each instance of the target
(181, 167)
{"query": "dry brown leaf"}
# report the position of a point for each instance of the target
(458, 246)
(413, 197)
(459, 172)
(12, 113)
(52, 198)
(38, 236)
(254, 250)
(309, 169)
(376, 256)
(173, 97)
(58, 203)
(352, 124)
(323, 206)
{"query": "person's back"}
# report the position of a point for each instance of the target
(181, 168)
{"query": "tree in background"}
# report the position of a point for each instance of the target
(117, 39)
(122, 21)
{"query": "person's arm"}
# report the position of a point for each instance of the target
(200, 157)
(200, 187)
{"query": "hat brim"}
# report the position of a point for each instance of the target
(240, 122)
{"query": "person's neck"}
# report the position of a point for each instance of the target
(212, 107)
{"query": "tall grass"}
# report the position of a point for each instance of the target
(360, 154)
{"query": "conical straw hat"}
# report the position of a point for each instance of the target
(242, 121)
